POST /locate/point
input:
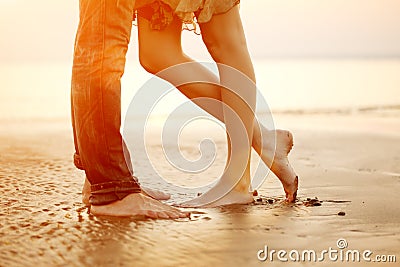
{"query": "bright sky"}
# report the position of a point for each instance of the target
(44, 29)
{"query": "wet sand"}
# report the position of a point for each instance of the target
(351, 163)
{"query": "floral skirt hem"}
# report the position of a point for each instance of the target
(160, 13)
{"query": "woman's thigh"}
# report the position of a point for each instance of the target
(224, 35)
(158, 49)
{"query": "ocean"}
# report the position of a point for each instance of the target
(42, 90)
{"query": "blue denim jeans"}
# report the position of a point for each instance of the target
(99, 59)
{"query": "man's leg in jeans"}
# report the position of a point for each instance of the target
(99, 58)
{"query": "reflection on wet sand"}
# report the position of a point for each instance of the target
(43, 223)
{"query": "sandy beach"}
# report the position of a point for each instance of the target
(328, 70)
(350, 162)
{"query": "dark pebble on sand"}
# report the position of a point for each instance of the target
(259, 199)
(199, 194)
(341, 213)
(255, 193)
(270, 201)
(312, 202)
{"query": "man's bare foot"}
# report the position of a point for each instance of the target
(139, 205)
(146, 191)
(278, 161)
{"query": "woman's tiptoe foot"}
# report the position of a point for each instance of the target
(278, 161)
(291, 190)
(156, 194)
(139, 205)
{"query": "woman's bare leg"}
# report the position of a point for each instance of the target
(229, 48)
(152, 47)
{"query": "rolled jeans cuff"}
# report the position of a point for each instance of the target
(105, 193)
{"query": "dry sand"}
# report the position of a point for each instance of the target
(350, 162)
